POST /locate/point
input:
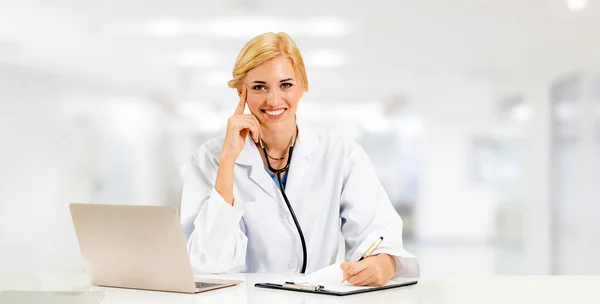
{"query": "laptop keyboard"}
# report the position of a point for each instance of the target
(204, 285)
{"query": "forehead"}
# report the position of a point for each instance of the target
(275, 70)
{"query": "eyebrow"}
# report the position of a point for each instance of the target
(263, 82)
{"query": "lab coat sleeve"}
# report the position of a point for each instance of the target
(213, 229)
(367, 213)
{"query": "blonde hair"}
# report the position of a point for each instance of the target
(263, 48)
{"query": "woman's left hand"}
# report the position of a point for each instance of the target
(375, 270)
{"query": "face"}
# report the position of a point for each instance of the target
(273, 92)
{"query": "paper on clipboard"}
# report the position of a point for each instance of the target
(331, 277)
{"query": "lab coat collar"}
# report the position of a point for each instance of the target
(306, 143)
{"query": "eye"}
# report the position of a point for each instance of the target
(258, 87)
(286, 85)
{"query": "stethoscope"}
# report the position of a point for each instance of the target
(287, 202)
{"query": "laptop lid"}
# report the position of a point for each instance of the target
(127, 246)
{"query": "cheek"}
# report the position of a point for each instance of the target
(254, 102)
(292, 97)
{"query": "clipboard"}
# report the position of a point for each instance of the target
(320, 289)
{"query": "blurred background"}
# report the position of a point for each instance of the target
(482, 118)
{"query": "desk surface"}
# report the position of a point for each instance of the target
(506, 289)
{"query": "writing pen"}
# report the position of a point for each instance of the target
(370, 250)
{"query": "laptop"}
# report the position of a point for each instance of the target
(139, 247)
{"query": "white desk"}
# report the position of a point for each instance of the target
(507, 290)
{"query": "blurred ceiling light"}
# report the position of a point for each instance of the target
(236, 27)
(199, 58)
(165, 28)
(521, 112)
(244, 27)
(325, 58)
(327, 27)
(577, 5)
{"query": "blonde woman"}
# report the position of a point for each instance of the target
(269, 195)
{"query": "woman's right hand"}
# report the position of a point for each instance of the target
(238, 127)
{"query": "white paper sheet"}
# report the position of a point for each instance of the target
(331, 278)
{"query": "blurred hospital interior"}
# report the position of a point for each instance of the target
(482, 118)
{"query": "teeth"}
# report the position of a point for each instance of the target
(275, 113)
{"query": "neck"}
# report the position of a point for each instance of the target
(278, 141)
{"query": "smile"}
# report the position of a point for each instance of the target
(274, 113)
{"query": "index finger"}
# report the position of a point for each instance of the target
(344, 267)
(242, 104)
(357, 267)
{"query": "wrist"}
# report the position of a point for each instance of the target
(227, 159)
(389, 261)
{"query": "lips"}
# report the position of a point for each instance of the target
(274, 113)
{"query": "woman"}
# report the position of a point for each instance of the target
(235, 216)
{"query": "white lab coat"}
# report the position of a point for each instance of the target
(330, 181)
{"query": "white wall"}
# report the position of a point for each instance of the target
(451, 206)
(574, 191)
(532, 244)
(56, 148)
(35, 230)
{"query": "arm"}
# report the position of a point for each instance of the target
(213, 228)
(367, 214)
(211, 220)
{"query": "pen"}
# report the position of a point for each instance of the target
(370, 250)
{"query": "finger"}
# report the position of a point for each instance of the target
(345, 266)
(362, 278)
(242, 104)
(249, 125)
(253, 131)
(251, 119)
(357, 267)
(259, 126)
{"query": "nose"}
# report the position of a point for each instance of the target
(272, 97)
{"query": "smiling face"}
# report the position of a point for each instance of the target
(273, 92)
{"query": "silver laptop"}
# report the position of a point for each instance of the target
(139, 247)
